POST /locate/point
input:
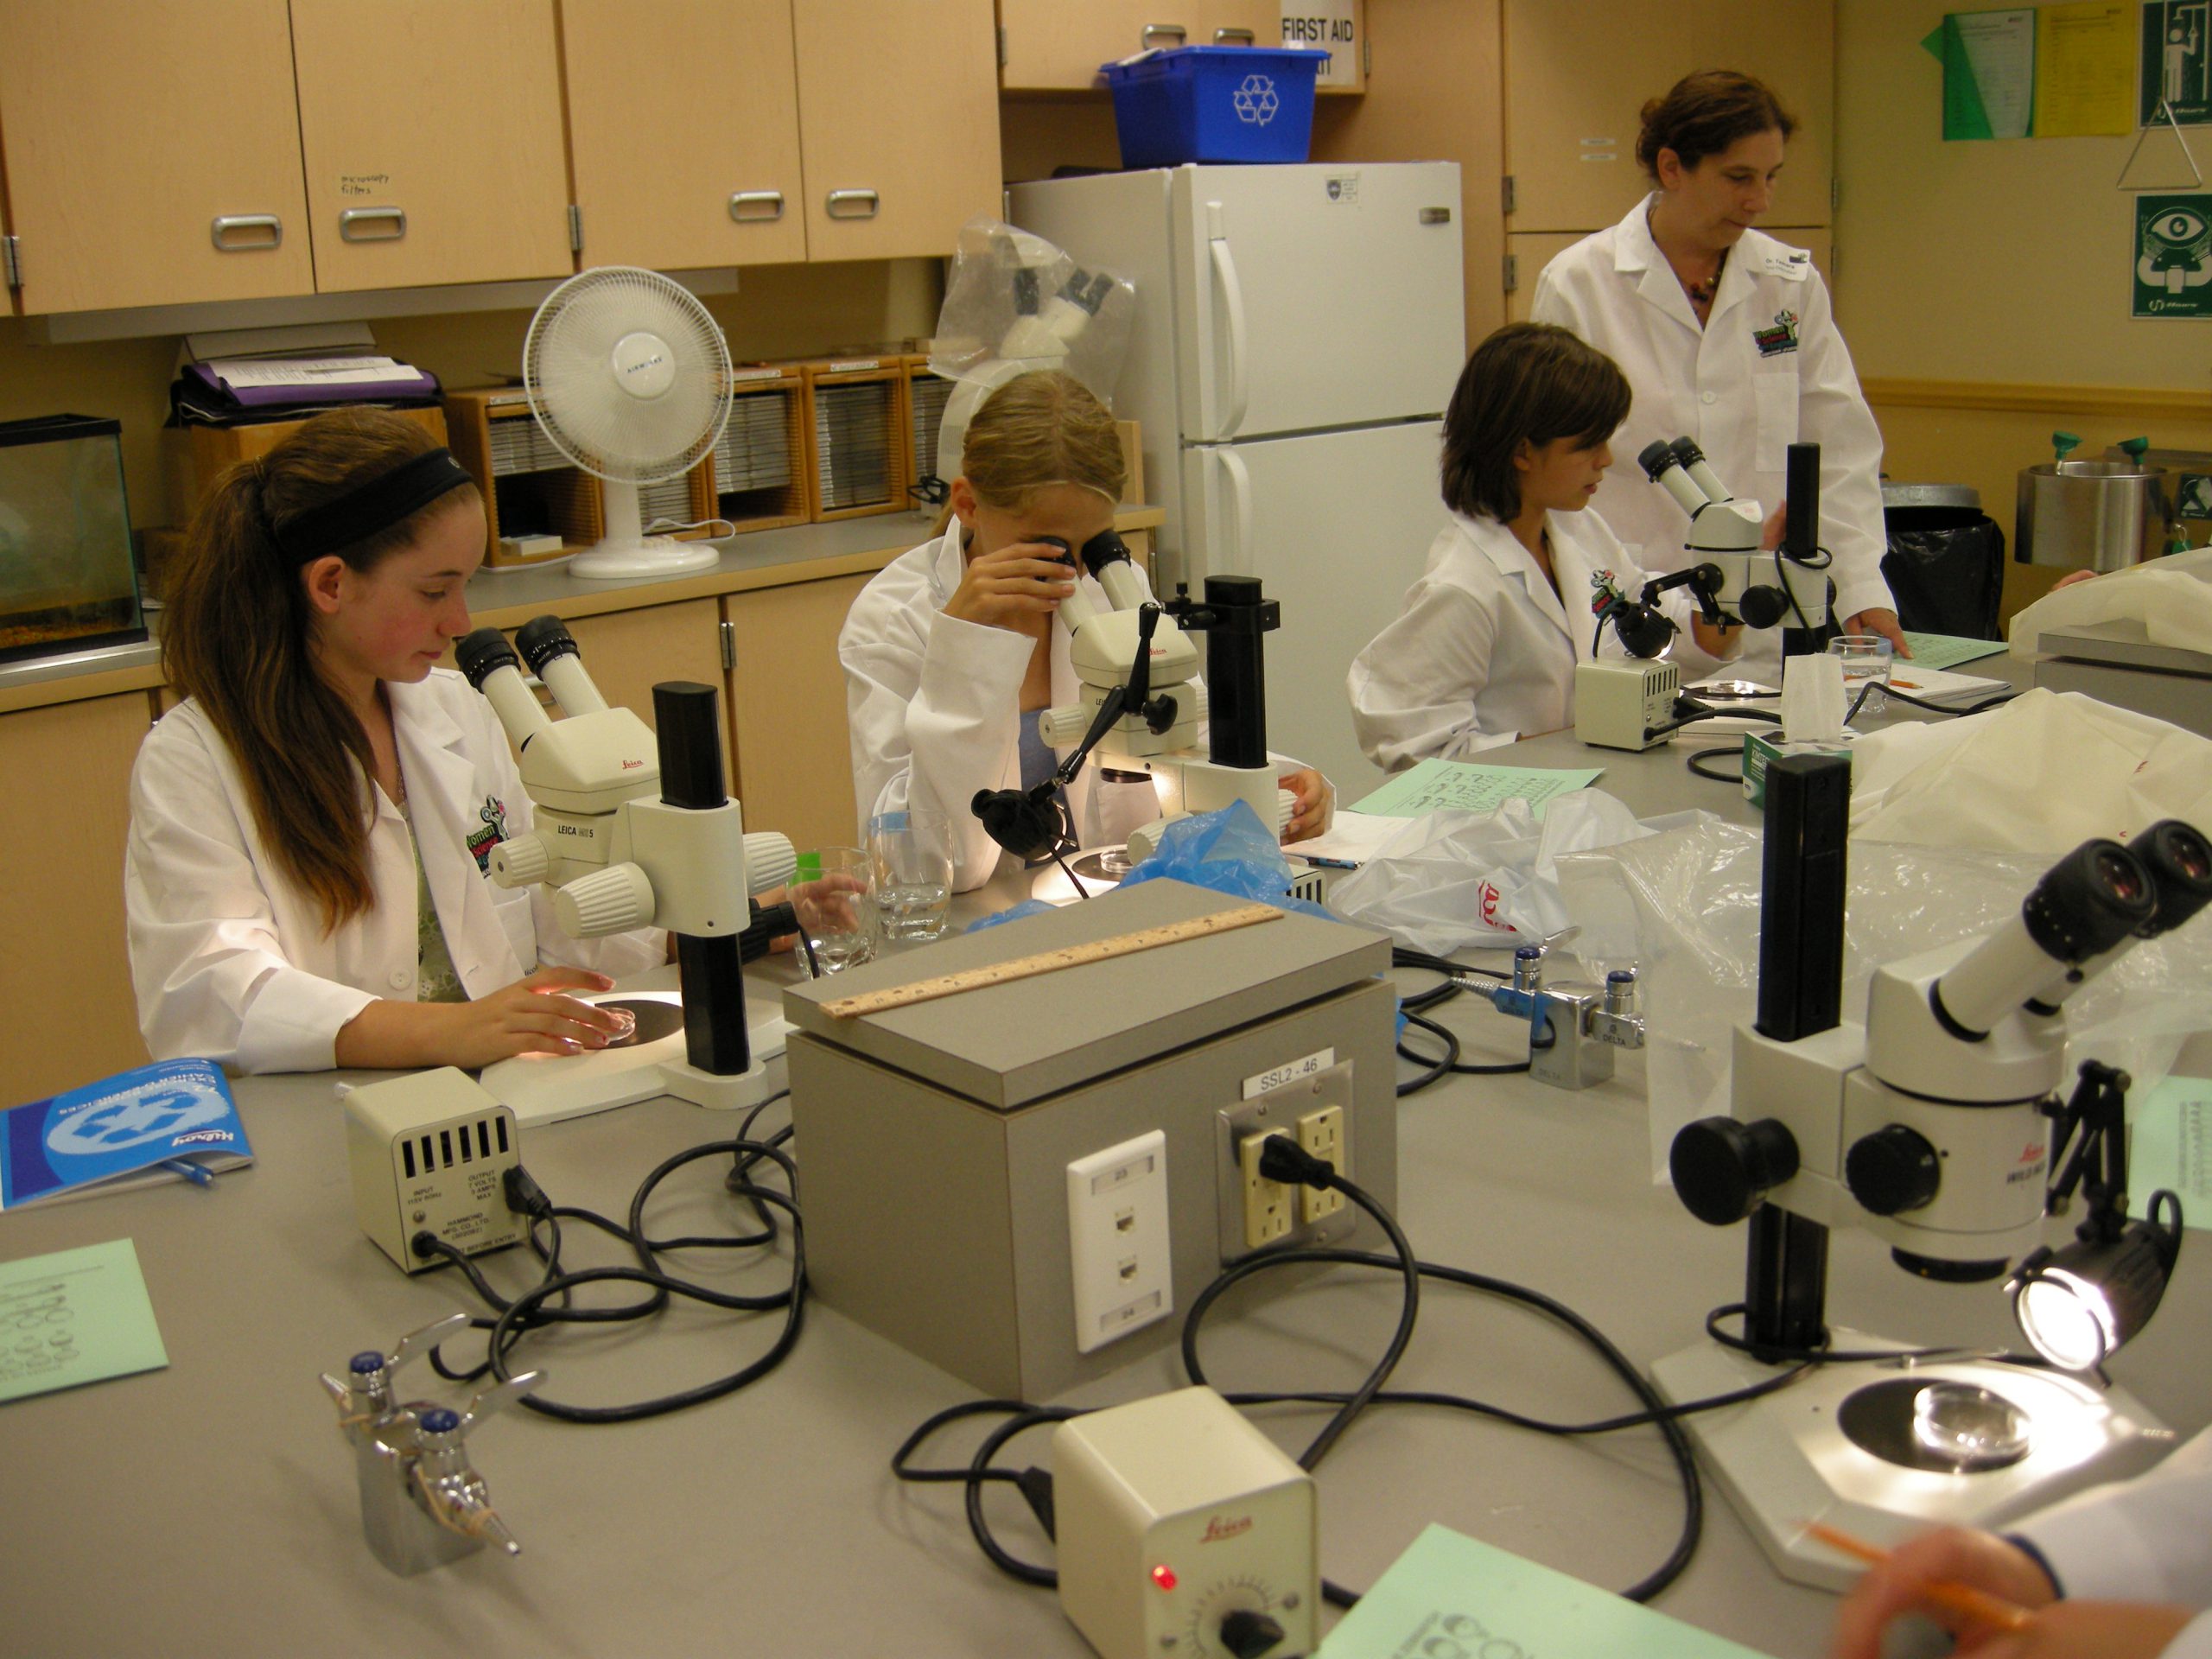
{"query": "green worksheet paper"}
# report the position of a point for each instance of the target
(74, 1316)
(1463, 786)
(1450, 1596)
(1942, 650)
(2172, 1148)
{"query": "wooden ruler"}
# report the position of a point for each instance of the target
(1047, 962)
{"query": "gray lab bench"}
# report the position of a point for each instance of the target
(210, 1507)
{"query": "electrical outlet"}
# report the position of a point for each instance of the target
(1321, 1133)
(1267, 1205)
(1117, 1240)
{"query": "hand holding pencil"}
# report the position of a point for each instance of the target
(1994, 1597)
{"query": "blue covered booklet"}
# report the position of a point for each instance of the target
(151, 1123)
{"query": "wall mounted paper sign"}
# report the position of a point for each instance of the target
(1328, 26)
(1989, 72)
(2171, 256)
(2176, 62)
(2085, 69)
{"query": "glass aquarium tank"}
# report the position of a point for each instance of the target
(67, 581)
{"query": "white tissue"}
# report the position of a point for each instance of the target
(1812, 699)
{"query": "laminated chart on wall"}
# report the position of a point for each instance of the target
(1989, 72)
(2085, 69)
(2175, 60)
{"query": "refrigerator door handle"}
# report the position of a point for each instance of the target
(1239, 536)
(1232, 297)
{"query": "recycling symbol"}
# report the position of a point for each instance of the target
(1256, 101)
(136, 1120)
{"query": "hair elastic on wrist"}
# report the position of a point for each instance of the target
(370, 508)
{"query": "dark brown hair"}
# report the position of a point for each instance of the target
(1532, 383)
(1704, 113)
(235, 638)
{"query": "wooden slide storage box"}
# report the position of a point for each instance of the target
(926, 396)
(530, 487)
(197, 455)
(858, 451)
(755, 477)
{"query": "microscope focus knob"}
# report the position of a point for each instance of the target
(1893, 1170)
(1249, 1635)
(520, 860)
(612, 900)
(1721, 1167)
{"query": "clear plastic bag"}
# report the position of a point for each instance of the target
(1685, 904)
(1449, 880)
(1015, 301)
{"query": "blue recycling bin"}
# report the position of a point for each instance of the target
(1215, 103)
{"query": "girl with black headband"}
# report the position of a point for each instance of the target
(311, 831)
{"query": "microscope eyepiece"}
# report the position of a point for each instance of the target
(1655, 458)
(1685, 450)
(1106, 548)
(541, 639)
(483, 651)
(2089, 901)
(2180, 862)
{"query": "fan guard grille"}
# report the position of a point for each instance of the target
(570, 374)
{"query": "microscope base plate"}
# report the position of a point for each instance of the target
(1785, 1461)
(548, 1088)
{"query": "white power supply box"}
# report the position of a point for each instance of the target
(429, 1153)
(1182, 1531)
(1620, 702)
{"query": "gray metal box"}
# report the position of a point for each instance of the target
(934, 1139)
(2116, 663)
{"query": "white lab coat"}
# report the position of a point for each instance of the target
(2146, 1539)
(1484, 652)
(935, 705)
(229, 959)
(1768, 370)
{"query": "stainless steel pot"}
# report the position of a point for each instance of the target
(2092, 515)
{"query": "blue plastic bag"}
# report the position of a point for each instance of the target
(1229, 851)
(1012, 913)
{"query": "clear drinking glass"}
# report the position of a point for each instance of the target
(913, 872)
(1865, 659)
(833, 894)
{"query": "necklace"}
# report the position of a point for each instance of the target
(1701, 293)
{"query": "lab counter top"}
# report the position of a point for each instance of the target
(507, 598)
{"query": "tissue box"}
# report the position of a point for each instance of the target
(1758, 749)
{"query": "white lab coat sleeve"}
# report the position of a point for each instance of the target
(207, 962)
(2146, 1539)
(1416, 690)
(1832, 412)
(934, 707)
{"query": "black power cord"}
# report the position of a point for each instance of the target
(1415, 1008)
(551, 1302)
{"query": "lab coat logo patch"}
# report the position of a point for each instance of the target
(494, 814)
(1783, 337)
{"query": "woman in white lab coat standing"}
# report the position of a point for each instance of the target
(951, 653)
(1485, 649)
(305, 880)
(1726, 336)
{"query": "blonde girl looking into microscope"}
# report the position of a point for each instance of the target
(1485, 649)
(305, 880)
(950, 654)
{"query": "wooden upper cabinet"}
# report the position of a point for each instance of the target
(703, 167)
(1572, 112)
(433, 141)
(1051, 46)
(152, 153)
(899, 123)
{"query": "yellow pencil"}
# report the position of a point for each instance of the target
(1993, 1611)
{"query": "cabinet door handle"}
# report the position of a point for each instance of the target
(233, 232)
(373, 224)
(754, 206)
(1175, 32)
(1235, 37)
(853, 204)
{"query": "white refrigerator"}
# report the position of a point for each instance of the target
(1298, 330)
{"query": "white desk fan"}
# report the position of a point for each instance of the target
(630, 377)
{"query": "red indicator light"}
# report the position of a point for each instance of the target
(1163, 1576)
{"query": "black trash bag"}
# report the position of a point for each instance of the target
(1946, 570)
